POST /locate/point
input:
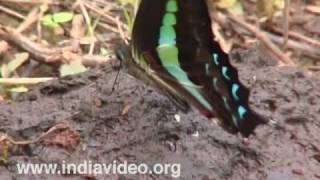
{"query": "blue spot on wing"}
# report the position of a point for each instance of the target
(241, 111)
(235, 88)
(215, 58)
(224, 72)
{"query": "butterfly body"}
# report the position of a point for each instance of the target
(172, 43)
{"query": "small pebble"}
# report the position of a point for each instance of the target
(195, 134)
(245, 141)
(177, 117)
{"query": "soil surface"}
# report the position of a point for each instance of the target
(137, 124)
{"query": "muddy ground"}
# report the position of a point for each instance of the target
(138, 124)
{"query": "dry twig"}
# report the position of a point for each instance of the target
(11, 12)
(33, 2)
(313, 9)
(32, 17)
(263, 38)
(60, 126)
(23, 81)
(286, 23)
(300, 37)
(42, 54)
(47, 55)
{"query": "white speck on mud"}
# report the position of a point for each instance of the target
(195, 134)
(177, 117)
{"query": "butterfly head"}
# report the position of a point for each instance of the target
(122, 52)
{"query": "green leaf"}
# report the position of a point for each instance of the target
(48, 21)
(128, 19)
(62, 17)
(72, 68)
(126, 2)
(237, 9)
(104, 51)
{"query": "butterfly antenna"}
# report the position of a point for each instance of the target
(116, 78)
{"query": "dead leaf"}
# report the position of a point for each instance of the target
(19, 59)
(267, 9)
(4, 149)
(225, 45)
(125, 110)
(74, 67)
(4, 47)
(97, 102)
(66, 139)
(225, 4)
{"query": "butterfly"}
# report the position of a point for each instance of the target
(173, 46)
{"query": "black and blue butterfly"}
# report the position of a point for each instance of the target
(173, 45)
